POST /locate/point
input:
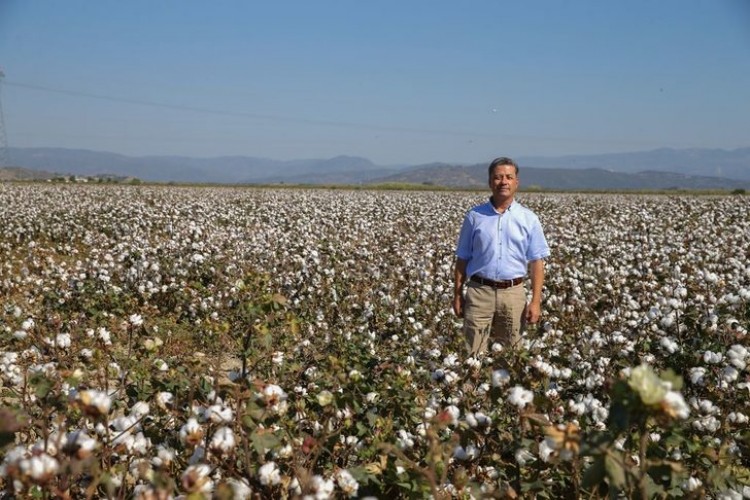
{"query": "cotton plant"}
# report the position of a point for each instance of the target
(363, 358)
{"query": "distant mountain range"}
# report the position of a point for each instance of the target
(657, 169)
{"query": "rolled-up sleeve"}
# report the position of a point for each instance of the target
(538, 248)
(463, 248)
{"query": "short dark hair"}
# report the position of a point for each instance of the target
(503, 160)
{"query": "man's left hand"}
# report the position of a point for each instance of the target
(533, 312)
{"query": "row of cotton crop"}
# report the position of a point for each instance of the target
(229, 342)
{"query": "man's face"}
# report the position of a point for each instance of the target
(504, 182)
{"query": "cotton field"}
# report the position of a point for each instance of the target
(170, 342)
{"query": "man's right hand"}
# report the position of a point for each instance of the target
(458, 305)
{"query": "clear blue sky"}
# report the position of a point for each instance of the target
(393, 81)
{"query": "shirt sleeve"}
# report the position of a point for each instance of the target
(463, 249)
(538, 248)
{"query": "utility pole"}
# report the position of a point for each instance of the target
(4, 160)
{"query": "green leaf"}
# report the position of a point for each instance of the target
(248, 422)
(6, 438)
(594, 474)
(264, 440)
(670, 376)
(661, 474)
(654, 490)
(41, 384)
(615, 470)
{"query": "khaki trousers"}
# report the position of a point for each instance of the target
(497, 314)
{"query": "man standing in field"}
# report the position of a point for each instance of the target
(499, 241)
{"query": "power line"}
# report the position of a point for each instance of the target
(318, 122)
(242, 114)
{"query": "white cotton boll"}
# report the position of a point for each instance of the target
(161, 365)
(551, 393)
(676, 404)
(404, 439)
(598, 412)
(104, 335)
(223, 440)
(668, 320)
(140, 409)
(62, 340)
(520, 397)
(450, 360)
(473, 363)
(469, 453)
(697, 375)
(692, 484)
(579, 408)
(500, 378)
(669, 345)
(738, 418)
(349, 486)
(191, 432)
(140, 444)
(39, 468)
(524, 456)
(94, 403)
(164, 399)
(454, 413)
(482, 419)
(729, 374)
(196, 479)
(164, 457)
(712, 358)
(707, 407)
(240, 488)
(284, 452)
(737, 355)
(322, 487)
(706, 424)
(547, 450)
(269, 474)
(450, 377)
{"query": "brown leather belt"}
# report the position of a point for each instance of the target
(496, 284)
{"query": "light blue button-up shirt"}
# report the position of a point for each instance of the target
(499, 246)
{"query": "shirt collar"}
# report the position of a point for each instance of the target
(492, 207)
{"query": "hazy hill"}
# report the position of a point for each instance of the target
(224, 169)
(23, 174)
(732, 164)
(657, 169)
(564, 179)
